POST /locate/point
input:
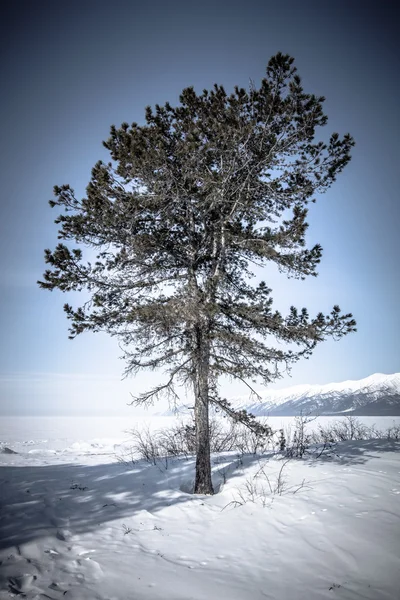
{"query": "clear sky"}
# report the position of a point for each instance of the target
(71, 69)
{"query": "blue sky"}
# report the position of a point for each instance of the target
(70, 70)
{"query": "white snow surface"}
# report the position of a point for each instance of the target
(77, 524)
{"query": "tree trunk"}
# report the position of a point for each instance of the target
(203, 483)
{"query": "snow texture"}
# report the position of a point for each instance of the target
(75, 523)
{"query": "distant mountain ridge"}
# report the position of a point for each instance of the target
(377, 394)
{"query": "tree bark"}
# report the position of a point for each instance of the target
(203, 482)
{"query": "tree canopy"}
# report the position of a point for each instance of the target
(188, 204)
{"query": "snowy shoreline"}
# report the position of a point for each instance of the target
(69, 438)
(75, 523)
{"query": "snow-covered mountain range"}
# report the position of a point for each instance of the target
(377, 394)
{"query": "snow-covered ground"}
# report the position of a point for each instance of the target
(76, 523)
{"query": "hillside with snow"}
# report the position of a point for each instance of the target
(377, 394)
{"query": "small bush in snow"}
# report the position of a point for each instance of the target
(348, 428)
(262, 487)
(298, 441)
(253, 442)
(145, 445)
(298, 444)
(281, 441)
(393, 433)
(180, 440)
(226, 435)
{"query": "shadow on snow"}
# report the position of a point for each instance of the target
(37, 501)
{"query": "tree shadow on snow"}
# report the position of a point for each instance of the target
(354, 452)
(68, 499)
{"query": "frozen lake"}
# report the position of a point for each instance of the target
(22, 429)
(67, 438)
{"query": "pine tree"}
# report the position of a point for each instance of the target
(190, 201)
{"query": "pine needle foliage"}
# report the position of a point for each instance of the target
(188, 204)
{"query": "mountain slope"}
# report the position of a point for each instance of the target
(377, 394)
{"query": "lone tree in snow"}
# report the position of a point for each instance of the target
(190, 201)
